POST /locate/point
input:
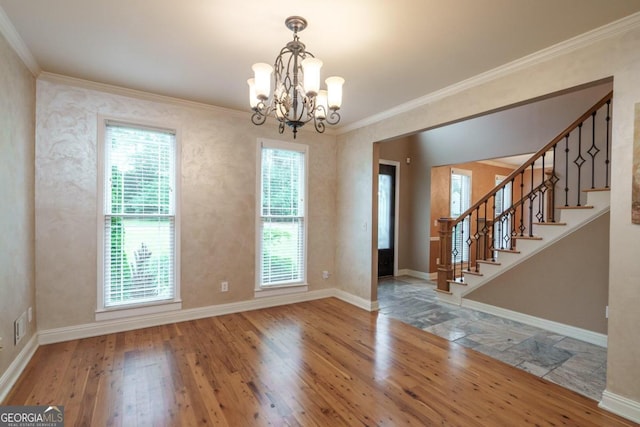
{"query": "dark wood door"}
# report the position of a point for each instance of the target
(386, 219)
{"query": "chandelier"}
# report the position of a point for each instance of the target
(297, 98)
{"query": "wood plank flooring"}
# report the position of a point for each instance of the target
(320, 363)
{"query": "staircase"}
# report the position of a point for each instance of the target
(544, 235)
(562, 187)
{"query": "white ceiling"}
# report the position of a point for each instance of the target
(389, 52)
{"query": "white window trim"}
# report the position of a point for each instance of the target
(131, 310)
(288, 288)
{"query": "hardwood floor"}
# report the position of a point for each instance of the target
(323, 363)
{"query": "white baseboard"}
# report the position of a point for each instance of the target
(360, 302)
(414, 273)
(619, 405)
(127, 324)
(559, 328)
(16, 367)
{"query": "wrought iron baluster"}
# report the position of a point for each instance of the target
(608, 119)
(485, 230)
(553, 180)
(531, 199)
(543, 189)
(454, 251)
(469, 241)
(522, 227)
(566, 170)
(593, 150)
(579, 161)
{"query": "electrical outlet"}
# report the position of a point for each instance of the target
(0, 343)
(20, 328)
(30, 314)
(325, 274)
(606, 312)
(224, 286)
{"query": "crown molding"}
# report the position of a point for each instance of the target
(590, 37)
(15, 41)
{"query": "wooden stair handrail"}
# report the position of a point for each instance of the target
(534, 157)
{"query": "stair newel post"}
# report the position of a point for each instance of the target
(446, 266)
(512, 214)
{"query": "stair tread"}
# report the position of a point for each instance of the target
(508, 251)
(482, 261)
(576, 207)
(528, 237)
(444, 292)
(458, 282)
(596, 189)
(549, 223)
(473, 273)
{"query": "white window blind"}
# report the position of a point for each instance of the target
(282, 215)
(139, 215)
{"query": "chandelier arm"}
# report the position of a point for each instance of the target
(334, 117)
(257, 118)
(319, 125)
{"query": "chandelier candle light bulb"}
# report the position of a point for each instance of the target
(334, 91)
(311, 70)
(297, 97)
(262, 77)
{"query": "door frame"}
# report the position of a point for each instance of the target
(396, 207)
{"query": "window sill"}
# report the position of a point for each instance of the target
(270, 291)
(138, 310)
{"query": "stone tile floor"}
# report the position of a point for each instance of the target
(574, 364)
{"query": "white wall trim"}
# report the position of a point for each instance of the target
(17, 44)
(590, 37)
(625, 407)
(360, 302)
(414, 273)
(119, 325)
(559, 328)
(87, 330)
(16, 367)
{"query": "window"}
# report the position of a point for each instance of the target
(502, 227)
(460, 202)
(282, 224)
(138, 224)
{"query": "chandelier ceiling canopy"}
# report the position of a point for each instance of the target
(297, 97)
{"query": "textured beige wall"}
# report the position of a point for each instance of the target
(17, 132)
(217, 200)
(355, 252)
(570, 288)
(617, 56)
